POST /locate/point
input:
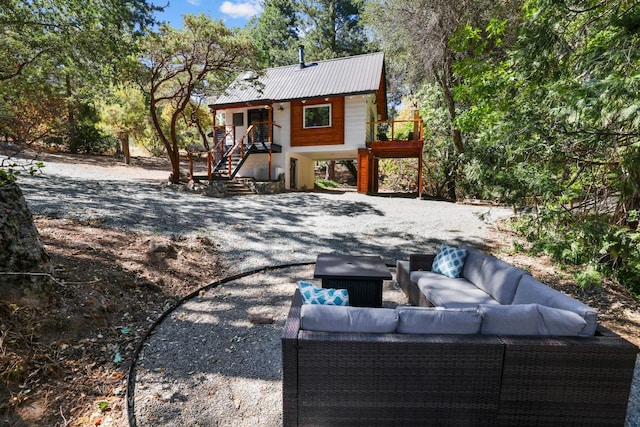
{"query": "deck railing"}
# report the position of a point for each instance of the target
(394, 129)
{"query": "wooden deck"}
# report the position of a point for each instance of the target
(396, 149)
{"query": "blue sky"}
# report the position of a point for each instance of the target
(235, 13)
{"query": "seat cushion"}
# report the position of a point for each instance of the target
(531, 291)
(450, 293)
(529, 319)
(437, 320)
(333, 318)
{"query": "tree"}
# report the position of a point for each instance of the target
(421, 37)
(124, 114)
(333, 28)
(556, 125)
(275, 33)
(75, 47)
(187, 65)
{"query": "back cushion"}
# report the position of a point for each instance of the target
(428, 320)
(529, 319)
(532, 291)
(499, 279)
(333, 318)
(473, 264)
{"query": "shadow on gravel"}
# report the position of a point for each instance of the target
(253, 230)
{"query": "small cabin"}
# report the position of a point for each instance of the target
(278, 123)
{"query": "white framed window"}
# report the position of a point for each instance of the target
(317, 116)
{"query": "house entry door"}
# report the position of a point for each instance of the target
(293, 173)
(260, 118)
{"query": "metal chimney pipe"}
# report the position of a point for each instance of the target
(301, 64)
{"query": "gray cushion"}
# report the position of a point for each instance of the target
(450, 293)
(332, 318)
(473, 264)
(532, 291)
(430, 320)
(529, 319)
(499, 279)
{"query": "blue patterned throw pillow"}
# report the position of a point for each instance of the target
(311, 294)
(449, 261)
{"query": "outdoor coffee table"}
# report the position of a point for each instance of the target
(361, 276)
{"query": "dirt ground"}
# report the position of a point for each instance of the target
(66, 364)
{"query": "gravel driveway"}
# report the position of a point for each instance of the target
(206, 364)
(255, 231)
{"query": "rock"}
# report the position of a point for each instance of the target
(261, 319)
(22, 252)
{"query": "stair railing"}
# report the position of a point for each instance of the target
(218, 147)
(239, 145)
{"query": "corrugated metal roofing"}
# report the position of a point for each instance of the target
(342, 76)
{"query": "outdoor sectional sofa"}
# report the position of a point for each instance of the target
(459, 363)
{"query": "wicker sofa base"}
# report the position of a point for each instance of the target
(353, 379)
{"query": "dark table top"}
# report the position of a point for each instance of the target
(350, 266)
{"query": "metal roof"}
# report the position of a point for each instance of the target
(343, 76)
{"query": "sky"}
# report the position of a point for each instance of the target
(234, 13)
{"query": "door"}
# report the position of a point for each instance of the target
(293, 173)
(259, 118)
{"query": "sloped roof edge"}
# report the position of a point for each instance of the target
(352, 75)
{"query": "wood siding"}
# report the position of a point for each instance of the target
(333, 135)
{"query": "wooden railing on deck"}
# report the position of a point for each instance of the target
(416, 134)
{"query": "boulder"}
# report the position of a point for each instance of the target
(25, 267)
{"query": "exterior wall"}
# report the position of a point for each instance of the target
(333, 135)
(355, 120)
(282, 118)
(305, 179)
(341, 141)
(257, 166)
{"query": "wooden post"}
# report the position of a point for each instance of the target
(210, 164)
(363, 170)
(416, 126)
(270, 136)
(420, 174)
(376, 174)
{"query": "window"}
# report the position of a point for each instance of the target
(238, 119)
(317, 116)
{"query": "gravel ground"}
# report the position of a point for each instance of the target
(256, 231)
(206, 364)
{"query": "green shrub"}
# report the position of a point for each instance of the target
(326, 184)
(589, 278)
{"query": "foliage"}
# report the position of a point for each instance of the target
(124, 113)
(89, 35)
(326, 184)
(89, 139)
(333, 28)
(10, 169)
(555, 124)
(275, 32)
(399, 175)
(421, 38)
(181, 66)
(59, 55)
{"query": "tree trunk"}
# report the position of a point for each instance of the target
(174, 157)
(71, 119)
(124, 141)
(330, 173)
